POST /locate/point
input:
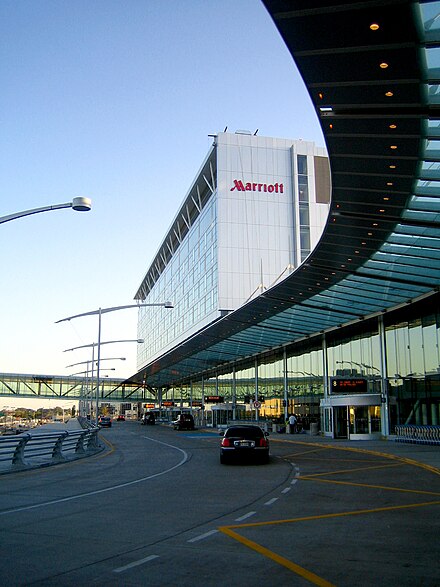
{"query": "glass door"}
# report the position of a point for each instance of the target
(341, 421)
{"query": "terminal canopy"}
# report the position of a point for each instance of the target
(372, 70)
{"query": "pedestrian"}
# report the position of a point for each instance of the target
(292, 424)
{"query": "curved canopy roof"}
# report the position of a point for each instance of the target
(372, 69)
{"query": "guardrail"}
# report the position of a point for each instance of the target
(412, 433)
(32, 450)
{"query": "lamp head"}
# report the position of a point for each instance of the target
(82, 204)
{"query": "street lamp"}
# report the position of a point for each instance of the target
(99, 312)
(106, 359)
(86, 372)
(93, 345)
(87, 375)
(78, 204)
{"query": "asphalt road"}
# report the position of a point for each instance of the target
(157, 508)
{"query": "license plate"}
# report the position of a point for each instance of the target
(244, 443)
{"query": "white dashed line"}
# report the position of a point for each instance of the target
(141, 561)
(271, 501)
(203, 536)
(286, 490)
(245, 517)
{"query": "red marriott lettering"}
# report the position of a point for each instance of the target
(277, 188)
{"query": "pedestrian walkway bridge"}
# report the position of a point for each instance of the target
(18, 386)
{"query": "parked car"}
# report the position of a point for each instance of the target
(120, 418)
(244, 442)
(184, 422)
(105, 421)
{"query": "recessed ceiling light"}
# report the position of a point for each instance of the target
(392, 166)
(370, 233)
(374, 26)
(393, 125)
(320, 96)
(382, 210)
(386, 198)
(330, 125)
(393, 146)
(389, 183)
(383, 65)
(389, 94)
(375, 224)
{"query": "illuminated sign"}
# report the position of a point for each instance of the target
(214, 399)
(149, 406)
(277, 188)
(167, 404)
(349, 385)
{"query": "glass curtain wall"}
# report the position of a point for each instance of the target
(190, 281)
(411, 378)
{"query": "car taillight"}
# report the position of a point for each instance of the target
(263, 442)
(226, 442)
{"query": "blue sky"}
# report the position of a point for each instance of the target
(114, 100)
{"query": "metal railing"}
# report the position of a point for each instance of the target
(412, 433)
(32, 450)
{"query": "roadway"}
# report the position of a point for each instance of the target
(157, 508)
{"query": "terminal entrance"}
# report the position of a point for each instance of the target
(356, 421)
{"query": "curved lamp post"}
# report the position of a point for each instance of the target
(99, 312)
(78, 204)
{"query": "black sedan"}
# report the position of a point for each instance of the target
(105, 422)
(244, 442)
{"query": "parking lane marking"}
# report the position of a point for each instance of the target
(141, 561)
(245, 517)
(203, 536)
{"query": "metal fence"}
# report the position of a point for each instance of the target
(418, 434)
(36, 449)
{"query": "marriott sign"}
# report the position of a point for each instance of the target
(277, 188)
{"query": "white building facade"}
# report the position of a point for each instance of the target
(254, 212)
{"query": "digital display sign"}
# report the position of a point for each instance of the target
(349, 385)
(214, 399)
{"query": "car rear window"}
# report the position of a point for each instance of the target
(245, 432)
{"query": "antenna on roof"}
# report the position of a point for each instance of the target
(255, 133)
(226, 128)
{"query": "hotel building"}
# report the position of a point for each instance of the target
(254, 212)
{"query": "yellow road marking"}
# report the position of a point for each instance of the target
(308, 575)
(412, 462)
(301, 571)
(354, 470)
(333, 481)
(334, 515)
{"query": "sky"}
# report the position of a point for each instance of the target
(115, 100)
